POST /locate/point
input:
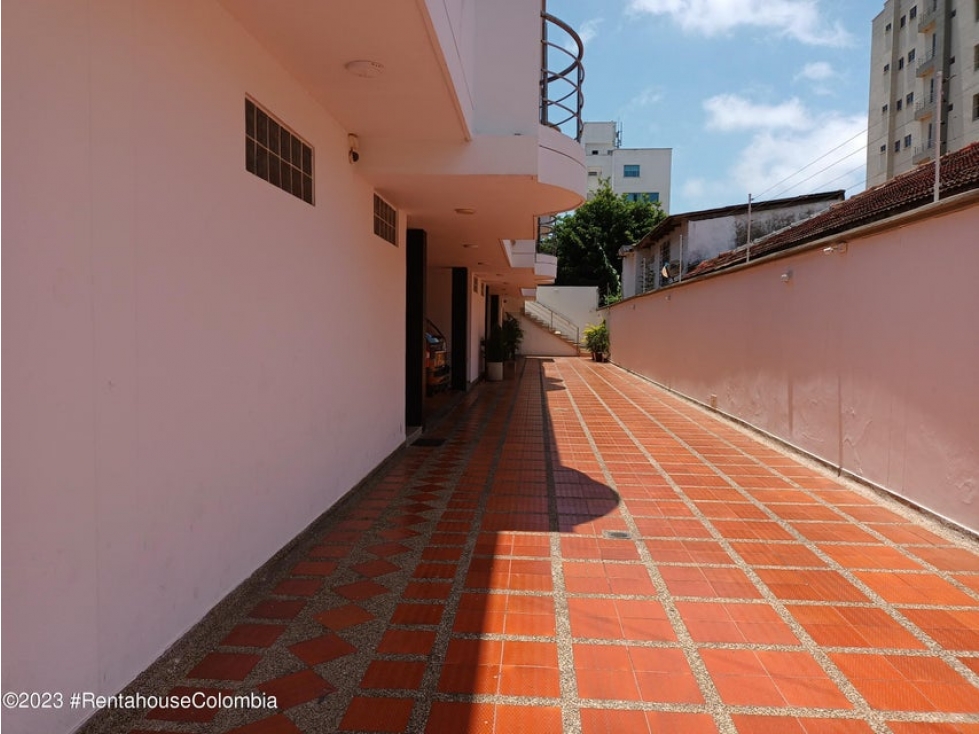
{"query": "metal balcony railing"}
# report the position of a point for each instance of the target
(545, 235)
(557, 323)
(927, 16)
(561, 77)
(923, 152)
(926, 65)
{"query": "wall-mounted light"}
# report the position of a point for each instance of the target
(835, 247)
(786, 276)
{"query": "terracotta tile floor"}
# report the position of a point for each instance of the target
(586, 553)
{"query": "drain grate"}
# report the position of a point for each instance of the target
(429, 442)
(617, 535)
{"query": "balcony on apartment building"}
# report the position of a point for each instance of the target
(927, 16)
(924, 152)
(924, 109)
(926, 65)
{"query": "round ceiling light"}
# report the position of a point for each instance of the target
(364, 68)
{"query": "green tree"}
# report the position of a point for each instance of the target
(588, 240)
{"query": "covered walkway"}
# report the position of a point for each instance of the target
(577, 551)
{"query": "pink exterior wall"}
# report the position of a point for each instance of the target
(867, 359)
(196, 363)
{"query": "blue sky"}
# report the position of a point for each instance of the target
(746, 92)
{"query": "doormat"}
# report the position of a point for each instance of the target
(429, 442)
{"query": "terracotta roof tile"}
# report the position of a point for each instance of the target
(959, 172)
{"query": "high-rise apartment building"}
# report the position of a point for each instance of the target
(924, 83)
(631, 171)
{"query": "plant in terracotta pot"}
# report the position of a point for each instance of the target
(597, 341)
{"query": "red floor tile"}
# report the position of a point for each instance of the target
(806, 585)
(750, 724)
(870, 556)
(908, 727)
(377, 714)
(729, 583)
(688, 551)
(406, 642)
(277, 609)
(612, 721)
(853, 627)
(471, 718)
(896, 683)
(737, 623)
(417, 614)
(770, 678)
(535, 719)
(338, 618)
(393, 674)
(322, 649)
(953, 629)
(777, 554)
(292, 690)
(914, 588)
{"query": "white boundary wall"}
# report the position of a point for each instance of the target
(867, 359)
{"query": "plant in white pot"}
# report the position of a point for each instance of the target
(495, 354)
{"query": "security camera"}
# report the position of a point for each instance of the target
(354, 143)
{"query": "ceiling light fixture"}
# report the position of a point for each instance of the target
(465, 210)
(364, 68)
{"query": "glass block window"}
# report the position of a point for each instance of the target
(385, 220)
(274, 153)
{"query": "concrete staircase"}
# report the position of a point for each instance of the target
(552, 322)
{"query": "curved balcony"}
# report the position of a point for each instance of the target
(562, 75)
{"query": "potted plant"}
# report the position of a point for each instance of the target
(597, 341)
(512, 336)
(495, 354)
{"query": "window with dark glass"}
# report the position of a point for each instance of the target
(274, 153)
(630, 170)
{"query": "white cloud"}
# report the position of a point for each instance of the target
(789, 151)
(817, 71)
(830, 154)
(797, 19)
(730, 112)
(646, 97)
(589, 30)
